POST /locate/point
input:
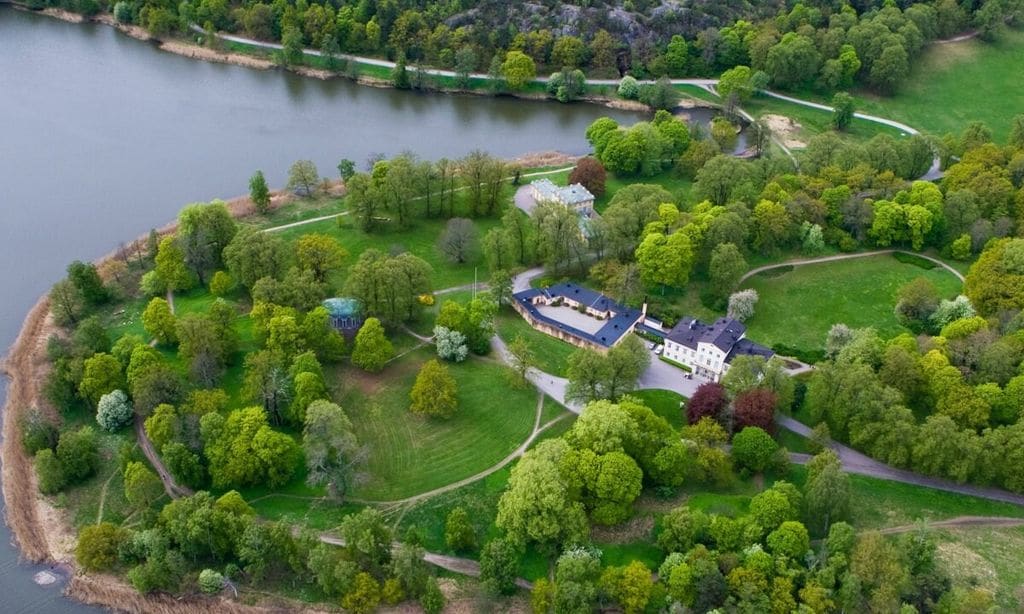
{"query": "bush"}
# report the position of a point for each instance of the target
(123, 12)
(629, 88)
(210, 581)
(917, 261)
(78, 454)
(432, 601)
(114, 411)
(98, 546)
(49, 472)
(458, 531)
(37, 432)
(221, 283)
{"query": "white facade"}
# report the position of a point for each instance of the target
(707, 360)
(575, 196)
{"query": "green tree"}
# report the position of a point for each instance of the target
(435, 393)
(726, 267)
(518, 69)
(754, 449)
(87, 280)
(303, 178)
(995, 282)
(568, 51)
(141, 486)
(291, 46)
(204, 230)
(49, 472)
(842, 110)
(320, 254)
(78, 453)
(665, 261)
(98, 545)
(253, 255)
(499, 562)
(171, 268)
(432, 600)
(372, 349)
(682, 529)
(158, 320)
(459, 534)
(367, 538)
(259, 193)
(101, 374)
(629, 586)
(827, 490)
(331, 449)
(735, 85)
(790, 539)
(66, 302)
(210, 581)
(537, 506)
(243, 450)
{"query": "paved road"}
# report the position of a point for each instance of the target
(855, 462)
(879, 252)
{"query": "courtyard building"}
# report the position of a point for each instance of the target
(577, 315)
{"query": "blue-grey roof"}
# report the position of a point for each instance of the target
(342, 307)
(725, 333)
(607, 336)
(570, 195)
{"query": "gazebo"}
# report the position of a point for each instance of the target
(346, 314)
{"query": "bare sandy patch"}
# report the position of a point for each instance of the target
(639, 528)
(618, 103)
(211, 55)
(785, 128)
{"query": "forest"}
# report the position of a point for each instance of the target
(814, 45)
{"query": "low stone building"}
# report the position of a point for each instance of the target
(577, 315)
(708, 349)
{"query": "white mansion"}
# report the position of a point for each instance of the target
(708, 349)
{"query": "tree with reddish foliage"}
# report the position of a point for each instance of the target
(709, 401)
(591, 174)
(755, 408)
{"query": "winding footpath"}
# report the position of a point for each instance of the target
(856, 462)
(933, 173)
(803, 261)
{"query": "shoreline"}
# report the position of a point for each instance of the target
(41, 532)
(191, 50)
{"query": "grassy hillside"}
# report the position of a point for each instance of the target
(957, 83)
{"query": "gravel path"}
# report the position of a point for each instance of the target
(861, 464)
(879, 252)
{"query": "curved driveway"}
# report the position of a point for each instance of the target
(769, 267)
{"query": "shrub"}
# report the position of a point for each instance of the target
(629, 88)
(210, 581)
(123, 12)
(432, 601)
(37, 432)
(458, 531)
(98, 546)
(78, 454)
(114, 411)
(221, 283)
(49, 472)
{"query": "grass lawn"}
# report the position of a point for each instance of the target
(665, 403)
(680, 187)
(794, 442)
(551, 354)
(815, 121)
(409, 454)
(419, 239)
(985, 557)
(797, 308)
(957, 83)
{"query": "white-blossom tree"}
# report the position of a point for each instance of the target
(741, 304)
(451, 344)
(114, 411)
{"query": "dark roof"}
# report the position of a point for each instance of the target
(607, 336)
(746, 347)
(723, 334)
